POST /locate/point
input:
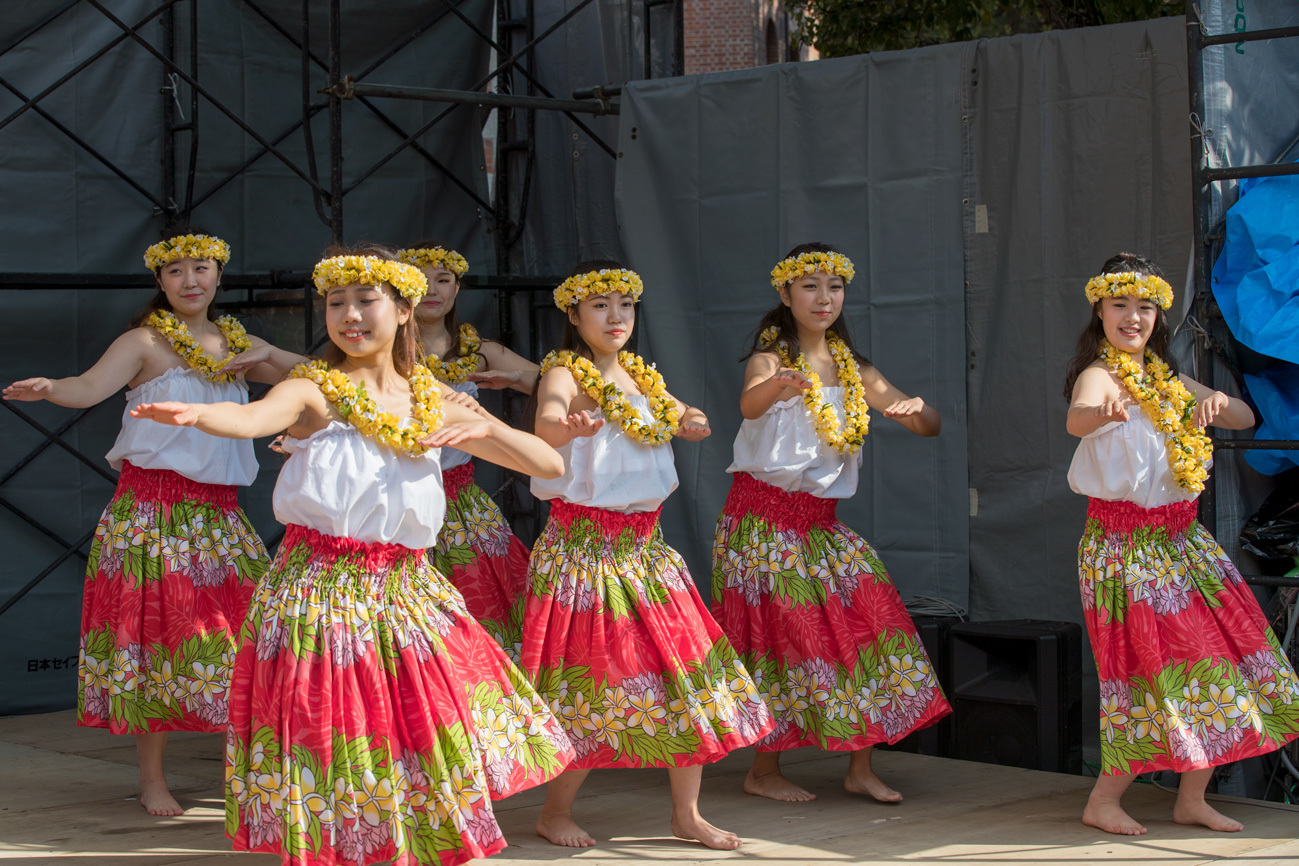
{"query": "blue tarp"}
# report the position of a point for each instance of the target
(1276, 394)
(1256, 279)
(1256, 284)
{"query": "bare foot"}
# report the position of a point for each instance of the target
(872, 786)
(774, 786)
(1110, 817)
(696, 829)
(157, 799)
(563, 830)
(1203, 813)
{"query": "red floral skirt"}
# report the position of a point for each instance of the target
(1191, 675)
(617, 639)
(372, 718)
(171, 570)
(481, 556)
(815, 618)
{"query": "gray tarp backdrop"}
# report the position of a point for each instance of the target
(976, 186)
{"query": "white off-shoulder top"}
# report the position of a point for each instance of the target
(782, 448)
(1128, 461)
(611, 470)
(197, 455)
(339, 482)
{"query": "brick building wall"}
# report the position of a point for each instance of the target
(720, 35)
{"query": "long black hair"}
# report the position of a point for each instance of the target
(449, 320)
(781, 318)
(570, 339)
(159, 300)
(405, 348)
(1089, 341)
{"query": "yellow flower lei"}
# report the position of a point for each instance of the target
(849, 438)
(408, 280)
(794, 267)
(455, 372)
(186, 247)
(1167, 403)
(435, 257)
(360, 410)
(1130, 283)
(614, 403)
(183, 343)
(600, 282)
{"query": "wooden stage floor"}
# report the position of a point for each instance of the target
(67, 797)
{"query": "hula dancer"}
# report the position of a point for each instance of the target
(1191, 675)
(477, 550)
(174, 559)
(803, 598)
(615, 635)
(373, 719)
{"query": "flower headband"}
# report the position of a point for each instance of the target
(435, 257)
(186, 247)
(600, 282)
(1129, 283)
(794, 267)
(408, 280)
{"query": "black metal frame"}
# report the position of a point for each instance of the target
(170, 200)
(1208, 240)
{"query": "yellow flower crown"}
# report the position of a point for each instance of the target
(186, 247)
(1129, 283)
(600, 282)
(435, 257)
(408, 280)
(794, 267)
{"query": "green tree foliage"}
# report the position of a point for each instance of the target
(840, 27)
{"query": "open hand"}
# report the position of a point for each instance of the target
(582, 424)
(693, 431)
(175, 414)
(28, 390)
(1115, 410)
(905, 408)
(450, 435)
(247, 359)
(497, 379)
(788, 378)
(1211, 407)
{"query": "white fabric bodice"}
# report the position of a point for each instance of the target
(613, 471)
(453, 457)
(782, 448)
(1128, 461)
(340, 482)
(197, 455)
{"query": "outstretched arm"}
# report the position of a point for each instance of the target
(506, 369)
(295, 403)
(555, 425)
(1217, 409)
(262, 362)
(493, 441)
(765, 382)
(911, 412)
(1096, 402)
(121, 363)
(692, 423)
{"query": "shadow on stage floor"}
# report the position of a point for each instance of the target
(68, 797)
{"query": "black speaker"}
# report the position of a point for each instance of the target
(937, 738)
(1017, 693)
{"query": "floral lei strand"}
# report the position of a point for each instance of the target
(849, 438)
(360, 410)
(1167, 403)
(614, 403)
(174, 331)
(455, 372)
